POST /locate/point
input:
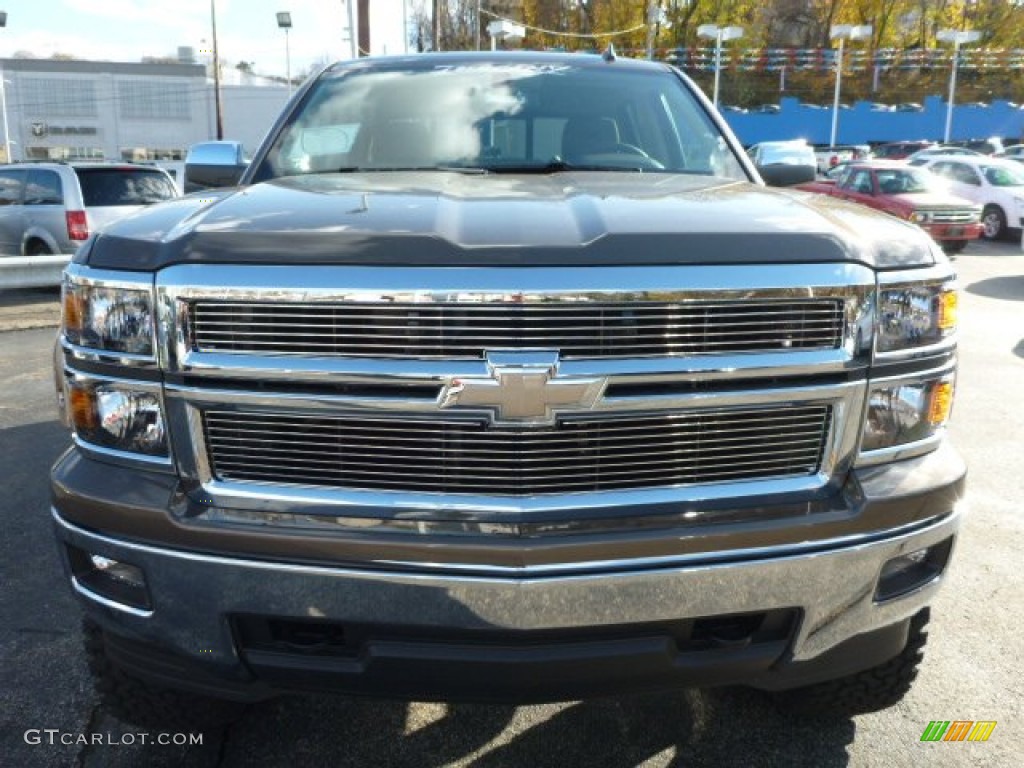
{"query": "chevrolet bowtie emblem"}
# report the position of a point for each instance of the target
(522, 388)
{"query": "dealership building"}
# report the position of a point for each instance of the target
(101, 110)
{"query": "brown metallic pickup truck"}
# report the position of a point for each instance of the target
(907, 193)
(503, 376)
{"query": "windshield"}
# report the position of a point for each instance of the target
(496, 117)
(123, 186)
(904, 182)
(1003, 176)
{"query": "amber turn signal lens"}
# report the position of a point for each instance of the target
(83, 409)
(940, 403)
(72, 307)
(947, 310)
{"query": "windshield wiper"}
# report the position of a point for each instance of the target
(467, 169)
(558, 165)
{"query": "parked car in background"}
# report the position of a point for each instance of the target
(923, 156)
(990, 146)
(997, 185)
(907, 193)
(897, 150)
(51, 208)
(1012, 152)
(909, 106)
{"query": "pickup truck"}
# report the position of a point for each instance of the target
(907, 193)
(502, 376)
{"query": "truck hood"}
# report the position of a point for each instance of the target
(455, 219)
(935, 201)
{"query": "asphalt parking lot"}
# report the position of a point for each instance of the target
(971, 669)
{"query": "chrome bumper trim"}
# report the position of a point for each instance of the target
(834, 588)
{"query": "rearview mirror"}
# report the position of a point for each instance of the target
(214, 164)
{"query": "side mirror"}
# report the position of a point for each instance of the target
(785, 175)
(214, 164)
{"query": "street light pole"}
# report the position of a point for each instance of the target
(3, 101)
(216, 73)
(719, 35)
(957, 37)
(843, 32)
(284, 21)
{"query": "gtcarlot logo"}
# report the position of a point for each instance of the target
(53, 736)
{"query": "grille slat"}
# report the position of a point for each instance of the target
(646, 451)
(954, 217)
(466, 330)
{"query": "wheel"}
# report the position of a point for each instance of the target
(993, 222)
(145, 705)
(37, 248)
(871, 690)
(953, 247)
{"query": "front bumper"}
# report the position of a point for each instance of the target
(522, 636)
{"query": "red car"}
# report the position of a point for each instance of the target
(908, 193)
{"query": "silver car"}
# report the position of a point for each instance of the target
(50, 208)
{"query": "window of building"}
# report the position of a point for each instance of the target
(146, 100)
(65, 153)
(58, 97)
(149, 154)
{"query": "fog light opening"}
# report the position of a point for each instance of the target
(111, 580)
(912, 570)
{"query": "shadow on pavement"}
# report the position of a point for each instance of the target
(1010, 288)
(726, 727)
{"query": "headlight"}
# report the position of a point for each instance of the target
(117, 418)
(108, 318)
(915, 315)
(920, 217)
(907, 412)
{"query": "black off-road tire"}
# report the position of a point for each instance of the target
(872, 690)
(149, 706)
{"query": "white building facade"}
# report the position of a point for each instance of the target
(99, 110)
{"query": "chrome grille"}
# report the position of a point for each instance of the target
(955, 217)
(628, 451)
(462, 330)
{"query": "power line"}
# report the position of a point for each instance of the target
(588, 36)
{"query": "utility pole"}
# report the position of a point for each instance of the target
(435, 23)
(216, 73)
(652, 20)
(364, 27)
(476, 27)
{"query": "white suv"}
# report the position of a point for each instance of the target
(998, 185)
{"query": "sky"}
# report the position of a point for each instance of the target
(127, 30)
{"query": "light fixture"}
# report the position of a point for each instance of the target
(284, 21)
(957, 37)
(719, 35)
(842, 33)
